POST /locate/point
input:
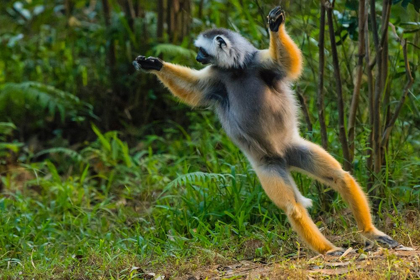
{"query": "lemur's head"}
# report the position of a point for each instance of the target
(223, 48)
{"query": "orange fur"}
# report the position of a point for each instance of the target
(286, 52)
(329, 171)
(308, 231)
(181, 81)
(283, 196)
(356, 198)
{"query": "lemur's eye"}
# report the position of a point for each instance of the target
(221, 41)
(203, 51)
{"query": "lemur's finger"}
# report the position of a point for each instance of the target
(276, 18)
(140, 58)
(274, 12)
(279, 16)
(136, 65)
(152, 59)
(279, 12)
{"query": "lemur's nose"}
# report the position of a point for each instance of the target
(199, 59)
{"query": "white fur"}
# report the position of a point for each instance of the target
(229, 55)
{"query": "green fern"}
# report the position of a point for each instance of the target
(198, 177)
(34, 95)
(71, 153)
(173, 50)
(6, 128)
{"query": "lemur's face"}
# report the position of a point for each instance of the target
(212, 50)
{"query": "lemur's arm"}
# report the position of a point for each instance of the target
(185, 83)
(282, 49)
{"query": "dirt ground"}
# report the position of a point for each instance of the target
(401, 263)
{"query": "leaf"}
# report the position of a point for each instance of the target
(13, 40)
(105, 143)
(84, 174)
(196, 177)
(71, 153)
(414, 23)
(53, 172)
(40, 97)
(405, 3)
(352, 5)
(6, 128)
(14, 147)
(416, 4)
(173, 50)
(122, 18)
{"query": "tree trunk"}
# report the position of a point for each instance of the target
(340, 103)
(320, 95)
(358, 83)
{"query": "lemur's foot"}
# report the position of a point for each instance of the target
(150, 63)
(335, 252)
(381, 238)
(275, 18)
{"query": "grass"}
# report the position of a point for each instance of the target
(171, 205)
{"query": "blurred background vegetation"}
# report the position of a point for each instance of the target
(99, 164)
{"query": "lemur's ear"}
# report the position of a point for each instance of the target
(221, 41)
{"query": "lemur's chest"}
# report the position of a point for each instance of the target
(252, 107)
(246, 90)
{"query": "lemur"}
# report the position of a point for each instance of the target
(250, 91)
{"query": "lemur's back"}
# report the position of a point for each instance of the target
(257, 109)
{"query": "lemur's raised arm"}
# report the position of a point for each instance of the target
(185, 83)
(282, 49)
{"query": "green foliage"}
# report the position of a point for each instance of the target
(6, 131)
(16, 99)
(174, 50)
(101, 169)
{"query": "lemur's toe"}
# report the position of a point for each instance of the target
(335, 252)
(386, 240)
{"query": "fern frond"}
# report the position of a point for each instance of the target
(38, 95)
(71, 153)
(6, 128)
(173, 50)
(198, 177)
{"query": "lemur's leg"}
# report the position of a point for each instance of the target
(316, 162)
(282, 48)
(278, 185)
(183, 82)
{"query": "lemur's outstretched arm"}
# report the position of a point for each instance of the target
(282, 48)
(183, 82)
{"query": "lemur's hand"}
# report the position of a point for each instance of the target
(150, 63)
(275, 18)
